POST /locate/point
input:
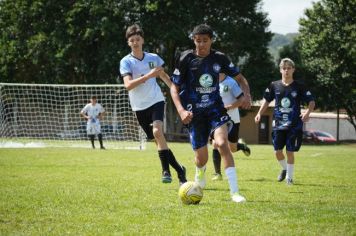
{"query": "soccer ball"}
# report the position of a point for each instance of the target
(190, 193)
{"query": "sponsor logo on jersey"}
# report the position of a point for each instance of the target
(216, 68)
(205, 98)
(285, 103)
(206, 80)
(294, 94)
(176, 72)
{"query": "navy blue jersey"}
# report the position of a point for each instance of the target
(288, 100)
(198, 79)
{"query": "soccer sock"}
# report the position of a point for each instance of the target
(100, 137)
(283, 164)
(290, 171)
(217, 161)
(173, 162)
(164, 156)
(232, 179)
(91, 137)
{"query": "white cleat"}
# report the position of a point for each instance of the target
(238, 198)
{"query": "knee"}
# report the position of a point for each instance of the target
(221, 143)
(157, 133)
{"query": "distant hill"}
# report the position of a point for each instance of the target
(278, 41)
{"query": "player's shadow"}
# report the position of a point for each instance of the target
(259, 180)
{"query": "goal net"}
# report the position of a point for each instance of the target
(49, 115)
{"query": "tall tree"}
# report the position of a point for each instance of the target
(328, 47)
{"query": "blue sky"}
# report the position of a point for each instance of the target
(284, 14)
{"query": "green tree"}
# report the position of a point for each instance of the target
(60, 41)
(328, 48)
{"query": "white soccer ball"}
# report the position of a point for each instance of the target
(190, 193)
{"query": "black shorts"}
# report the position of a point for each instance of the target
(148, 116)
(291, 138)
(234, 133)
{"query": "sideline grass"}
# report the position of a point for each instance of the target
(60, 191)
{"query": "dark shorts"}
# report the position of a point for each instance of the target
(291, 138)
(204, 124)
(234, 133)
(148, 116)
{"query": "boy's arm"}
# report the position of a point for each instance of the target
(261, 111)
(305, 116)
(131, 83)
(235, 104)
(185, 115)
(246, 102)
(165, 78)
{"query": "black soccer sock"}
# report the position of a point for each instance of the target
(100, 137)
(164, 157)
(240, 146)
(173, 162)
(217, 161)
(91, 137)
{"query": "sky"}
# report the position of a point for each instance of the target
(284, 14)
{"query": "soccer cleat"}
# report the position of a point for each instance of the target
(166, 177)
(238, 198)
(200, 177)
(182, 176)
(246, 150)
(102, 147)
(217, 177)
(282, 175)
(289, 181)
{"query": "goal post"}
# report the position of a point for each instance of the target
(49, 115)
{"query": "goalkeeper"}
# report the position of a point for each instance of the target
(94, 112)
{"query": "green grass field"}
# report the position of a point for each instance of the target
(58, 191)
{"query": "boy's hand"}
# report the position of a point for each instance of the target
(186, 116)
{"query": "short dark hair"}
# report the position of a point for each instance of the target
(203, 29)
(93, 97)
(134, 29)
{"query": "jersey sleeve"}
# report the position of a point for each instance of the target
(306, 95)
(101, 109)
(125, 67)
(269, 93)
(85, 109)
(179, 70)
(235, 89)
(160, 61)
(227, 67)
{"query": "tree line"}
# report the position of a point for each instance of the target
(82, 41)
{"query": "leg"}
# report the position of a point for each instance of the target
(290, 167)
(220, 137)
(100, 137)
(92, 137)
(201, 158)
(279, 141)
(294, 142)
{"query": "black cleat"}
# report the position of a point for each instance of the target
(102, 147)
(182, 176)
(282, 175)
(166, 177)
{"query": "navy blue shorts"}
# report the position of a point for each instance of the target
(148, 116)
(234, 133)
(204, 124)
(291, 138)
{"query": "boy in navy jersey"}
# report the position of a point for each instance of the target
(139, 70)
(195, 93)
(287, 118)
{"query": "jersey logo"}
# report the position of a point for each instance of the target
(206, 80)
(216, 68)
(231, 65)
(308, 93)
(267, 90)
(176, 72)
(151, 64)
(285, 102)
(294, 94)
(226, 88)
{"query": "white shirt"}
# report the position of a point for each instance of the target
(229, 91)
(93, 111)
(148, 93)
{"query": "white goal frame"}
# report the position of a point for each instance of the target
(48, 115)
